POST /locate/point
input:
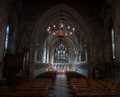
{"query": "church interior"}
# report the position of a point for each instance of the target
(59, 48)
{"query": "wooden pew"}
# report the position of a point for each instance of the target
(92, 88)
(37, 87)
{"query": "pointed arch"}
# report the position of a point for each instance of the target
(77, 17)
(54, 10)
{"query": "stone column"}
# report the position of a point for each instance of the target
(1, 70)
(89, 61)
(32, 61)
(2, 37)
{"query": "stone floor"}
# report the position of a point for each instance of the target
(60, 87)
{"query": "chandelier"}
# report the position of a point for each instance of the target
(62, 31)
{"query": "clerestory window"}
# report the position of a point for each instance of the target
(113, 42)
(6, 39)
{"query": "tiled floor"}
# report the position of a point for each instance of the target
(61, 87)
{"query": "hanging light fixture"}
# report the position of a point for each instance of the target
(62, 32)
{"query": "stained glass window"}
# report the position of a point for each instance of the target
(6, 39)
(113, 42)
(61, 54)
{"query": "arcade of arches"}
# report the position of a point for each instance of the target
(27, 49)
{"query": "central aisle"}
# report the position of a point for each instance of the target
(61, 87)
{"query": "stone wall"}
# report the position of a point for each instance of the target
(113, 10)
(40, 68)
(116, 8)
(1, 70)
(82, 69)
(3, 21)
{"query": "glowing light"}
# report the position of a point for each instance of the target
(61, 31)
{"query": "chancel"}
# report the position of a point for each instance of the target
(59, 48)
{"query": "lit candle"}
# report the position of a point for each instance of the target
(66, 34)
(53, 33)
(54, 26)
(70, 33)
(73, 29)
(68, 27)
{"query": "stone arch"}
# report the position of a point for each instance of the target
(8, 16)
(44, 17)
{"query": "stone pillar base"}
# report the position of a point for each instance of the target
(1, 70)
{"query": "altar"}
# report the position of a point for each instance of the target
(61, 67)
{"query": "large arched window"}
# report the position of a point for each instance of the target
(61, 54)
(6, 40)
(113, 42)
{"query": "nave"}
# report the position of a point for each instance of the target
(37, 36)
(61, 87)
